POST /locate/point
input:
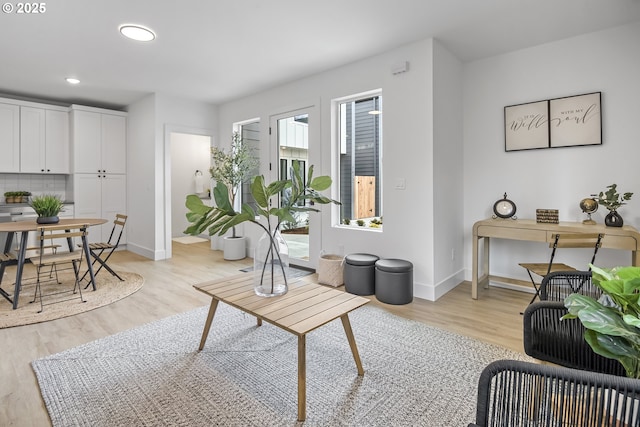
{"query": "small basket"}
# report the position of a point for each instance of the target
(330, 270)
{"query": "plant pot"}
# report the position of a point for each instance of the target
(234, 248)
(613, 219)
(271, 265)
(47, 220)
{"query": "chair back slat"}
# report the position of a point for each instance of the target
(577, 240)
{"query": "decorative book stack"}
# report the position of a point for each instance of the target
(547, 216)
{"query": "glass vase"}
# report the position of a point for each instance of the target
(271, 265)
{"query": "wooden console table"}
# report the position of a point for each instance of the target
(624, 238)
(305, 307)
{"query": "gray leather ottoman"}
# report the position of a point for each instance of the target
(394, 281)
(359, 273)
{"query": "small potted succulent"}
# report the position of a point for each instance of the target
(47, 206)
(612, 200)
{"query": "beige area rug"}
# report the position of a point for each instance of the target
(108, 290)
(187, 240)
(154, 375)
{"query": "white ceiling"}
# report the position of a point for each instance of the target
(217, 50)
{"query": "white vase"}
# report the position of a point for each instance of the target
(271, 265)
(234, 248)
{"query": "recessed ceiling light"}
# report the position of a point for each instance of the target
(72, 80)
(137, 32)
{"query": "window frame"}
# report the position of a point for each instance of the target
(338, 148)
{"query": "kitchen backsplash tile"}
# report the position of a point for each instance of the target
(35, 183)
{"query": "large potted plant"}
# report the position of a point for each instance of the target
(232, 168)
(47, 206)
(612, 323)
(611, 200)
(269, 268)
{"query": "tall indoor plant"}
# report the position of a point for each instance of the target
(613, 322)
(221, 217)
(233, 168)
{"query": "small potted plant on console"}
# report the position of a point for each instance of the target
(47, 206)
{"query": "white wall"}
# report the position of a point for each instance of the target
(448, 224)
(559, 178)
(149, 164)
(408, 150)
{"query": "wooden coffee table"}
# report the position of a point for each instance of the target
(305, 307)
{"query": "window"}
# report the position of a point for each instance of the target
(360, 160)
(250, 134)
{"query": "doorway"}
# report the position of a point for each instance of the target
(292, 137)
(187, 162)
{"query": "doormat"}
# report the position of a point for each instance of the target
(294, 272)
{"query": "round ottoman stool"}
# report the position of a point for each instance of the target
(394, 281)
(359, 274)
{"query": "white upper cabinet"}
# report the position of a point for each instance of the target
(99, 142)
(57, 141)
(9, 138)
(44, 140)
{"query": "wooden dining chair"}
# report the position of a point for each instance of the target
(562, 240)
(59, 261)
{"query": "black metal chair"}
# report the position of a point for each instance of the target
(562, 240)
(97, 250)
(547, 337)
(516, 394)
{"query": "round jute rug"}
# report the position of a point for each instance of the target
(108, 290)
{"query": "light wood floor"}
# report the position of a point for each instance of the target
(494, 317)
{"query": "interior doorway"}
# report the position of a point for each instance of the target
(187, 151)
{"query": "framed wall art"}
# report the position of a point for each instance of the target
(526, 126)
(575, 120)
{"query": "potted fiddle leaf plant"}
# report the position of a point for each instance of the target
(612, 323)
(270, 260)
(232, 168)
(47, 206)
(612, 200)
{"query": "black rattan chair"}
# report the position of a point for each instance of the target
(562, 342)
(547, 337)
(558, 285)
(515, 393)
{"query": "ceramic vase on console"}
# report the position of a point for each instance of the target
(271, 265)
(613, 219)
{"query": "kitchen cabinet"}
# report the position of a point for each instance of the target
(98, 144)
(44, 140)
(98, 140)
(9, 138)
(100, 196)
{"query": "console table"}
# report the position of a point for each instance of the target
(624, 238)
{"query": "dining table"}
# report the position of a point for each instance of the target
(27, 226)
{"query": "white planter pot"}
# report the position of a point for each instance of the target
(235, 248)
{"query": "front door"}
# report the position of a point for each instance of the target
(292, 137)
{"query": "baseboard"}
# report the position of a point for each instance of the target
(435, 291)
(146, 252)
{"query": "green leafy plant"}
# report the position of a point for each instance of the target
(222, 217)
(47, 205)
(360, 222)
(611, 200)
(346, 221)
(612, 326)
